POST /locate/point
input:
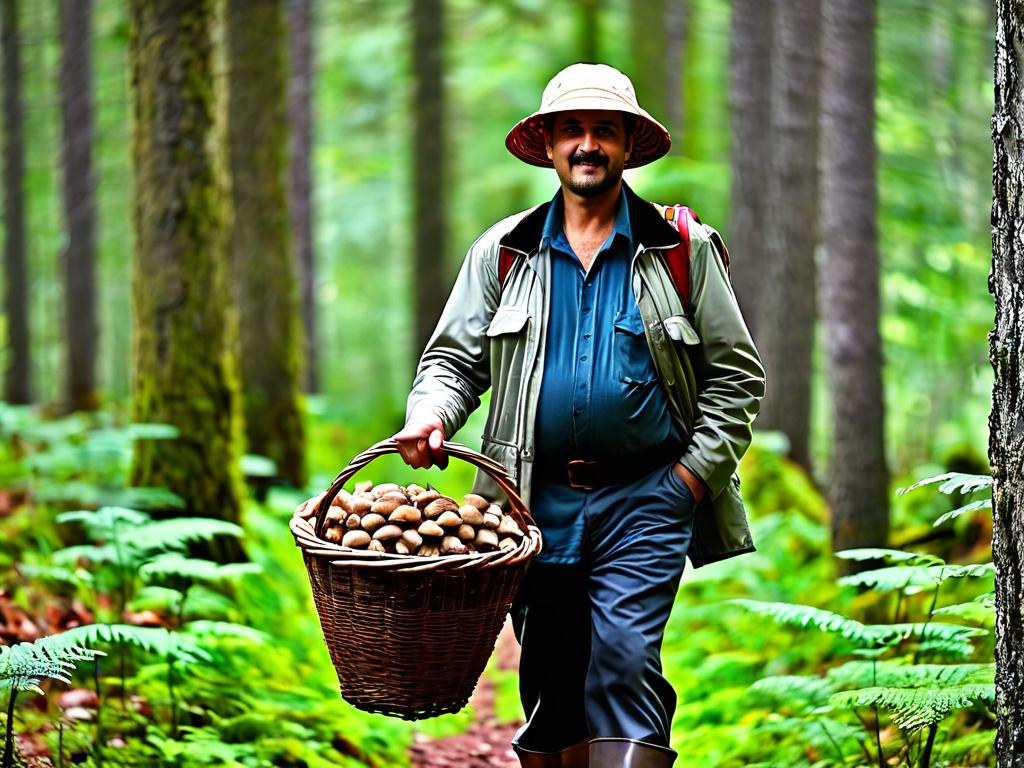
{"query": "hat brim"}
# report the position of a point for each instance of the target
(526, 141)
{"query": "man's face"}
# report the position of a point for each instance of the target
(589, 149)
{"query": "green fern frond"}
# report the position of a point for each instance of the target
(965, 509)
(780, 690)
(173, 564)
(54, 573)
(914, 578)
(156, 640)
(952, 482)
(103, 553)
(890, 555)
(914, 708)
(154, 431)
(953, 639)
(226, 629)
(175, 533)
(899, 673)
(105, 522)
(24, 665)
(804, 615)
(974, 612)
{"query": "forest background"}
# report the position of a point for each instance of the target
(872, 317)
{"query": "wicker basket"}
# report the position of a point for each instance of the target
(410, 636)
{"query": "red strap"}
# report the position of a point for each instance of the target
(506, 257)
(678, 258)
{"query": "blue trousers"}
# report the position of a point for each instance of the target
(591, 631)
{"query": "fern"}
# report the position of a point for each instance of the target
(966, 508)
(898, 673)
(975, 612)
(952, 482)
(914, 578)
(105, 522)
(226, 629)
(173, 564)
(783, 690)
(805, 615)
(156, 640)
(176, 533)
(24, 666)
(55, 573)
(890, 555)
(914, 708)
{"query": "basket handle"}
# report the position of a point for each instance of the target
(497, 472)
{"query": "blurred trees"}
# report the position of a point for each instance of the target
(1006, 352)
(658, 30)
(17, 374)
(300, 188)
(750, 90)
(263, 274)
(786, 321)
(184, 342)
(429, 170)
(858, 486)
(81, 325)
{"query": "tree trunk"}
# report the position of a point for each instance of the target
(18, 373)
(81, 327)
(677, 14)
(750, 83)
(264, 276)
(300, 118)
(184, 323)
(430, 233)
(590, 30)
(1006, 348)
(858, 489)
(787, 308)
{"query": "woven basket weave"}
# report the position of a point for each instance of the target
(410, 636)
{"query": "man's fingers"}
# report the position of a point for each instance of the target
(436, 438)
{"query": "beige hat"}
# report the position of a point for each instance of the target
(588, 86)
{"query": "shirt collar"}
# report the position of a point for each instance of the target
(553, 223)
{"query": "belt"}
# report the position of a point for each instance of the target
(588, 474)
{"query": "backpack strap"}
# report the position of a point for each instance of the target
(678, 259)
(506, 258)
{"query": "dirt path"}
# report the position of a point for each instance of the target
(486, 744)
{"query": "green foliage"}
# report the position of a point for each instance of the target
(25, 665)
(155, 640)
(808, 616)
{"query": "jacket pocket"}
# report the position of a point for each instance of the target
(507, 319)
(633, 361)
(679, 328)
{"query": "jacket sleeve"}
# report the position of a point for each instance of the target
(454, 370)
(730, 377)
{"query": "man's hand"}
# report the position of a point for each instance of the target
(419, 443)
(692, 481)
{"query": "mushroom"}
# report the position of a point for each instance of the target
(387, 532)
(333, 535)
(491, 520)
(509, 527)
(466, 532)
(356, 539)
(372, 522)
(508, 544)
(471, 514)
(477, 501)
(450, 545)
(430, 528)
(437, 506)
(364, 487)
(386, 505)
(376, 546)
(360, 505)
(352, 522)
(449, 519)
(486, 539)
(405, 514)
(412, 539)
(428, 550)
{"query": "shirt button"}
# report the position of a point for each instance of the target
(584, 358)
(578, 411)
(586, 336)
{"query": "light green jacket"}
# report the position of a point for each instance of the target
(493, 336)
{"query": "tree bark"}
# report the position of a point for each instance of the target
(750, 83)
(81, 325)
(430, 229)
(261, 248)
(18, 373)
(184, 324)
(1006, 351)
(787, 307)
(677, 15)
(300, 118)
(858, 489)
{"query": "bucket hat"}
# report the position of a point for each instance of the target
(588, 86)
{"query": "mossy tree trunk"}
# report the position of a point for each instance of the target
(300, 117)
(81, 326)
(657, 42)
(265, 287)
(858, 489)
(17, 373)
(1006, 351)
(787, 314)
(429, 159)
(184, 325)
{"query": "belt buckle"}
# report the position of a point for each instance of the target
(581, 466)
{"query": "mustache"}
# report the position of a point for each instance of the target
(595, 158)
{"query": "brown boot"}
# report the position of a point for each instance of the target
(576, 756)
(626, 753)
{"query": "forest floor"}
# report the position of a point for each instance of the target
(487, 742)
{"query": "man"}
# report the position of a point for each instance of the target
(620, 412)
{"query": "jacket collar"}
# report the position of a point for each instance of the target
(649, 227)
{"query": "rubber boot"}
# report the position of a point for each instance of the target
(576, 756)
(626, 753)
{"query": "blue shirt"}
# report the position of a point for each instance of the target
(600, 396)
